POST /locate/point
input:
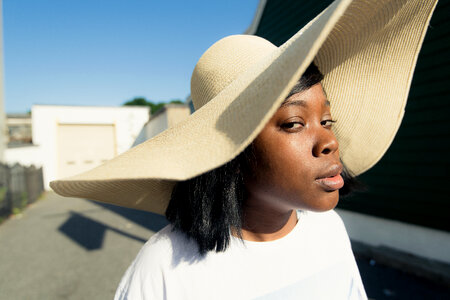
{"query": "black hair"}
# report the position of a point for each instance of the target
(310, 77)
(207, 207)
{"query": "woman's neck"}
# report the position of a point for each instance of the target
(267, 225)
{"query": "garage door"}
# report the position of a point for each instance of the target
(82, 147)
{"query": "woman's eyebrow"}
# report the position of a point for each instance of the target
(300, 103)
(294, 102)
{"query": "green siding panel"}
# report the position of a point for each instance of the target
(410, 182)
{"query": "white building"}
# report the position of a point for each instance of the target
(71, 139)
(168, 116)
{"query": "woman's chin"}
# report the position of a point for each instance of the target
(326, 204)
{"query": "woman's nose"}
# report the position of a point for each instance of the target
(326, 143)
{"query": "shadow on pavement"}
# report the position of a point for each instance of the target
(89, 233)
(149, 220)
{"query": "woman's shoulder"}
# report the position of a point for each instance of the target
(155, 261)
(164, 247)
(159, 242)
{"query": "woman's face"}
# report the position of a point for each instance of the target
(297, 156)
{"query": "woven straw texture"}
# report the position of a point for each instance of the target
(367, 51)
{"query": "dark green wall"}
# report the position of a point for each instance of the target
(411, 183)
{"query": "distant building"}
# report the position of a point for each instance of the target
(190, 104)
(168, 116)
(406, 205)
(71, 139)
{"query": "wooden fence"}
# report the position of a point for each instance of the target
(19, 186)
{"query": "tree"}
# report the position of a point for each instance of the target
(154, 107)
(138, 101)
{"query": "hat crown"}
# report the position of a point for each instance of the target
(223, 62)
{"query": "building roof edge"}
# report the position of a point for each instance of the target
(258, 14)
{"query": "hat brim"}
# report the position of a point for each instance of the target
(367, 52)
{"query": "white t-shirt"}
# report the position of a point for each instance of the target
(313, 261)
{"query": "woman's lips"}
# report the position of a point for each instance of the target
(331, 183)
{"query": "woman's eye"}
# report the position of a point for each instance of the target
(328, 123)
(292, 125)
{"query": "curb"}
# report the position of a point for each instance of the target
(433, 270)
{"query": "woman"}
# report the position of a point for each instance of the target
(292, 164)
(259, 147)
(287, 167)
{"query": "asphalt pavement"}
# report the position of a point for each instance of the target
(68, 248)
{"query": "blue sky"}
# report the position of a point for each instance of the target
(105, 52)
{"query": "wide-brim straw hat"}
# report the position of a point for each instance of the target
(367, 51)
